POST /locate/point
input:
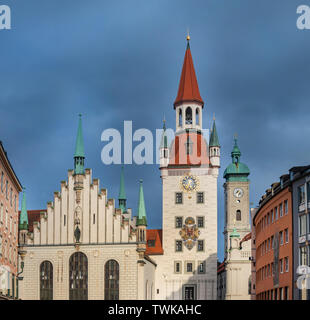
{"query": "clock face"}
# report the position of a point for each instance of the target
(189, 183)
(238, 192)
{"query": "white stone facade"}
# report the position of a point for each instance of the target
(172, 284)
(106, 234)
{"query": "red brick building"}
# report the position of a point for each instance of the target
(274, 242)
(10, 187)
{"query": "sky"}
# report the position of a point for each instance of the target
(121, 60)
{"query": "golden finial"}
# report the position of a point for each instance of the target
(235, 136)
(213, 116)
(188, 37)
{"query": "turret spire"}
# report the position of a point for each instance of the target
(214, 140)
(79, 154)
(164, 141)
(23, 219)
(141, 220)
(122, 193)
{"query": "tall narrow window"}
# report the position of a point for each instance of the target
(78, 277)
(7, 190)
(238, 215)
(111, 279)
(188, 116)
(180, 117)
(46, 281)
(178, 197)
(197, 116)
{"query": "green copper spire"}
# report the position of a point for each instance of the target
(122, 194)
(164, 140)
(236, 171)
(214, 139)
(141, 220)
(23, 218)
(236, 153)
(79, 154)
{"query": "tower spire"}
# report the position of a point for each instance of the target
(23, 219)
(79, 154)
(122, 194)
(188, 87)
(141, 220)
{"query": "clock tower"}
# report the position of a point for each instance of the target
(189, 172)
(237, 228)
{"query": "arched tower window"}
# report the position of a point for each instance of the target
(78, 277)
(197, 116)
(238, 215)
(188, 116)
(46, 281)
(180, 117)
(111, 280)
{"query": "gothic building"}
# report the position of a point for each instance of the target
(85, 246)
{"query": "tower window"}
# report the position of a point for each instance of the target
(197, 116)
(178, 246)
(238, 215)
(188, 116)
(189, 267)
(178, 222)
(200, 197)
(201, 267)
(200, 245)
(200, 222)
(180, 117)
(177, 267)
(178, 197)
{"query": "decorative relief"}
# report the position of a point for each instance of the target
(189, 233)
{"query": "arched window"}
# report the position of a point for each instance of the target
(197, 116)
(111, 280)
(238, 215)
(78, 277)
(46, 281)
(180, 117)
(188, 116)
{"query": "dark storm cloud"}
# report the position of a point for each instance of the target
(121, 60)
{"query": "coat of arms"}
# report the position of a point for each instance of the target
(189, 233)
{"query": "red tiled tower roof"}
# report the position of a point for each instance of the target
(188, 87)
